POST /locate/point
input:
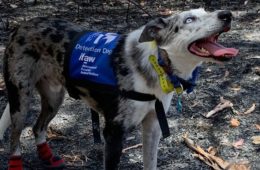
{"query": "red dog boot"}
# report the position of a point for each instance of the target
(15, 163)
(50, 161)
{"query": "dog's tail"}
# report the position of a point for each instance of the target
(5, 121)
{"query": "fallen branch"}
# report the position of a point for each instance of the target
(228, 104)
(2, 84)
(222, 105)
(256, 140)
(132, 147)
(210, 159)
(250, 110)
(257, 126)
(71, 159)
(138, 6)
(53, 135)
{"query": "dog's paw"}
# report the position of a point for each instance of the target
(15, 163)
(49, 160)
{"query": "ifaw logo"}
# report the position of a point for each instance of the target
(100, 37)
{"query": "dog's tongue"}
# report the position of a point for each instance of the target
(218, 50)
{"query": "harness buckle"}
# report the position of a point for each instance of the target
(179, 90)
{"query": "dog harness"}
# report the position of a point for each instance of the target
(91, 58)
(89, 64)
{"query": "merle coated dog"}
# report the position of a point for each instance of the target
(37, 51)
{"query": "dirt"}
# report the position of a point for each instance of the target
(70, 132)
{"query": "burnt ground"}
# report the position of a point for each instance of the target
(238, 80)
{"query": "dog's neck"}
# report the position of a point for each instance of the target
(138, 55)
(182, 66)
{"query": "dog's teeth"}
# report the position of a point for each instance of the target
(203, 50)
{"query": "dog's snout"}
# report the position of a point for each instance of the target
(225, 16)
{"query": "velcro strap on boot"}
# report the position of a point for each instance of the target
(44, 151)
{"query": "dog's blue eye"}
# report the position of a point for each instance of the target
(189, 20)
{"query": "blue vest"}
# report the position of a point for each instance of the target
(91, 58)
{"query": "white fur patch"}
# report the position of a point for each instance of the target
(5, 121)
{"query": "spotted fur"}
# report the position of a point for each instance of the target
(34, 58)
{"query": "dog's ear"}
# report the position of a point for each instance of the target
(151, 30)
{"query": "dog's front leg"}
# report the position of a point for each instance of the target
(151, 138)
(113, 134)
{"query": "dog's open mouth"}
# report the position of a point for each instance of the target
(210, 48)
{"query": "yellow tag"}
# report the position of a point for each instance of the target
(179, 90)
(165, 84)
(153, 44)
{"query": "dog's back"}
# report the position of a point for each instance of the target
(40, 45)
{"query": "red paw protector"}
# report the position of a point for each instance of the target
(15, 163)
(50, 161)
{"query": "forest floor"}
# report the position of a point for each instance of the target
(70, 133)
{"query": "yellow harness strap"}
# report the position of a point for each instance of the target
(165, 83)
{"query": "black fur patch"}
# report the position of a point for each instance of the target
(46, 31)
(14, 33)
(113, 134)
(59, 56)
(50, 50)
(39, 20)
(21, 40)
(60, 24)
(27, 93)
(123, 70)
(108, 102)
(20, 85)
(66, 45)
(56, 38)
(118, 59)
(43, 44)
(13, 93)
(43, 18)
(13, 97)
(176, 29)
(26, 27)
(10, 51)
(50, 108)
(72, 34)
(32, 53)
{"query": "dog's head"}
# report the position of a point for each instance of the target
(191, 35)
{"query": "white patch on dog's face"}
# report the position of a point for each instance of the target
(189, 26)
(192, 25)
(189, 38)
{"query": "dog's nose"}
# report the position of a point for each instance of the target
(225, 16)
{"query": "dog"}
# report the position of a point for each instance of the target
(36, 54)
